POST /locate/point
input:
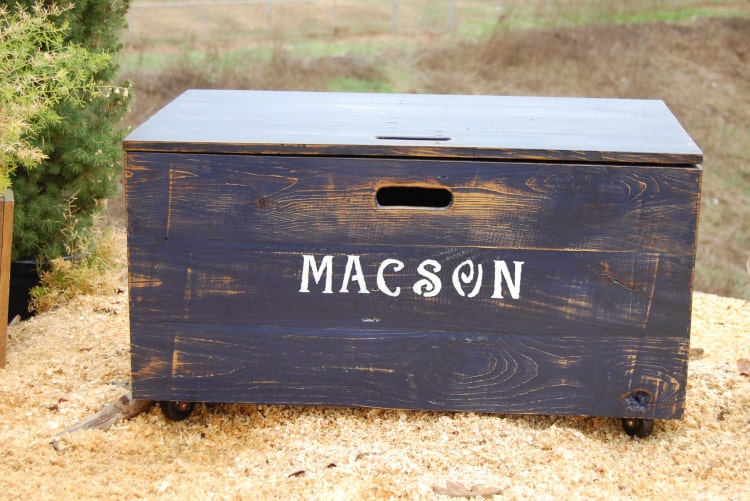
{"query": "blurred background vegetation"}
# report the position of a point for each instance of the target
(695, 55)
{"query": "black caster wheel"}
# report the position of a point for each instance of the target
(636, 427)
(176, 411)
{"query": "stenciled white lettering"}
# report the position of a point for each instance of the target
(466, 275)
(430, 285)
(397, 266)
(353, 262)
(467, 278)
(514, 285)
(326, 265)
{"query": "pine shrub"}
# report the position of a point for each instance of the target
(58, 201)
(38, 70)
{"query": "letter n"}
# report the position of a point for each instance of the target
(326, 266)
(514, 284)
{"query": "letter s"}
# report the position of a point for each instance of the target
(430, 285)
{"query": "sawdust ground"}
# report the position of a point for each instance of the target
(63, 366)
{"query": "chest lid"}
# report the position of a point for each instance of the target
(624, 131)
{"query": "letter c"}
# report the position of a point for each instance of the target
(382, 286)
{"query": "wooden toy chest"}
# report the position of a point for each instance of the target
(471, 253)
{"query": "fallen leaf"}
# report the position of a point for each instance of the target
(457, 489)
(743, 365)
(695, 353)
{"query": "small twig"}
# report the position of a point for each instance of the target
(122, 409)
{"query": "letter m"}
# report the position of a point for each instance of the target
(309, 265)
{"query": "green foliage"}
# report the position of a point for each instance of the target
(83, 163)
(38, 70)
(97, 267)
(352, 84)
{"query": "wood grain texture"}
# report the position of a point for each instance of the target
(576, 293)
(330, 201)
(556, 277)
(216, 248)
(426, 369)
(394, 125)
(6, 247)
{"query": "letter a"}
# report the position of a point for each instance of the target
(359, 276)
(326, 265)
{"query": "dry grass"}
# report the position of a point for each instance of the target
(97, 268)
(156, 27)
(159, 26)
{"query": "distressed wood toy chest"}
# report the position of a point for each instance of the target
(466, 253)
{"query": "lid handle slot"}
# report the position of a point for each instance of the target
(413, 197)
(414, 138)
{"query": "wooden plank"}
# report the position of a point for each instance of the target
(594, 294)
(320, 201)
(396, 125)
(6, 246)
(511, 373)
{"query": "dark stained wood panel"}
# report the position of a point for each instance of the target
(425, 369)
(344, 124)
(321, 200)
(582, 293)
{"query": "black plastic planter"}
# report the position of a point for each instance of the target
(24, 275)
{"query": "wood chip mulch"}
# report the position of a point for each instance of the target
(66, 365)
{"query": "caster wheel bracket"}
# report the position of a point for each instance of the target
(638, 427)
(176, 411)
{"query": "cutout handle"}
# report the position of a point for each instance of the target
(414, 138)
(413, 197)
